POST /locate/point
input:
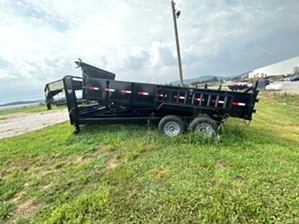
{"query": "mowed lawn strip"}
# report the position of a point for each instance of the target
(131, 174)
(29, 109)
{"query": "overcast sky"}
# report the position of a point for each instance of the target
(39, 40)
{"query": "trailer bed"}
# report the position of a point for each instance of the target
(133, 102)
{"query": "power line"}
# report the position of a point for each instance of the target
(181, 3)
(169, 17)
(166, 23)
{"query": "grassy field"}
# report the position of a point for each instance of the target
(29, 109)
(131, 174)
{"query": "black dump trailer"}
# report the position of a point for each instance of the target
(54, 88)
(172, 108)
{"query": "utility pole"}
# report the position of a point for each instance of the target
(175, 16)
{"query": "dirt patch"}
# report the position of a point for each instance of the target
(74, 160)
(215, 181)
(78, 159)
(25, 208)
(220, 165)
(19, 195)
(240, 180)
(47, 186)
(42, 173)
(110, 165)
(99, 150)
(111, 162)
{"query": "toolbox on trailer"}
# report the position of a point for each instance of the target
(173, 108)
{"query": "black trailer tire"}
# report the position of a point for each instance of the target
(171, 125)
(206, 126)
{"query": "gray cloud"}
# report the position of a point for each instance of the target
(3, 63)
(240, 36)
(38, 14)
(34, 74)
(166, 56)
(230, 2)
(137, 61)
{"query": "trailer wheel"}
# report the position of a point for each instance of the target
(206, 126)
(171, 125)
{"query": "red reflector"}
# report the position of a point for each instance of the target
(109, 90)
(175, 97)
(143, 93)
(213, 101)
(126, 91)
(93, 88)
(238, 104)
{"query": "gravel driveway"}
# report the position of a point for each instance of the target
(289, 87)
(19, 123)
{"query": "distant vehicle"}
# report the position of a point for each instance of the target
(287, 79)
(295, 78)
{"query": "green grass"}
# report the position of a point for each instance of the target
(131, 174)
(28, 109)
(286, 98)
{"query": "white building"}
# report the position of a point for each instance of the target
(280, 68)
